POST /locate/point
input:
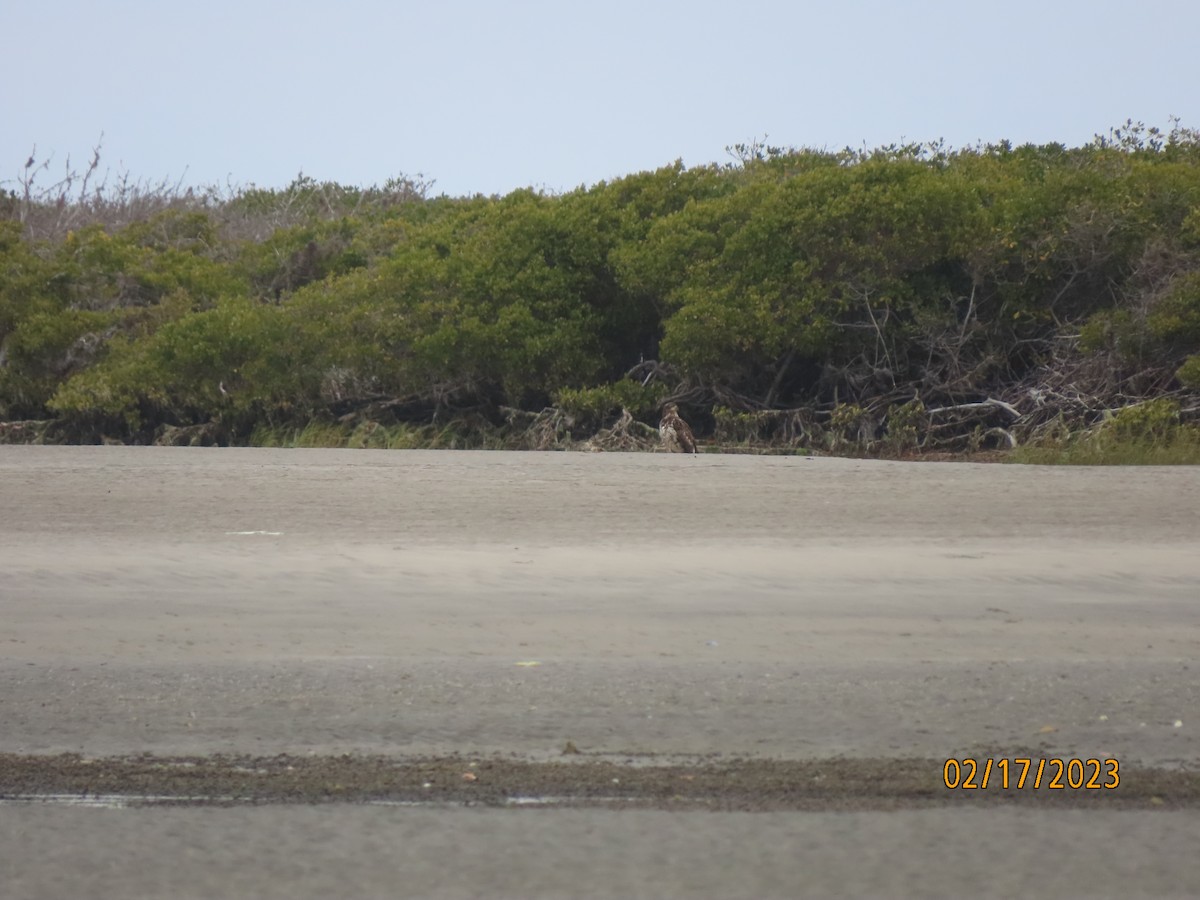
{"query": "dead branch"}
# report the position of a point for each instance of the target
(989, 403)
(626, 434)
(1003, 434)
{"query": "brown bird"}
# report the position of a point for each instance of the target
(675, 432)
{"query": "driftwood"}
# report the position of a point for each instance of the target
(208, 434)
(626, 434)
(988, 404)
(550, 429)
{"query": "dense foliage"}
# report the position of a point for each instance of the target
(911, 296)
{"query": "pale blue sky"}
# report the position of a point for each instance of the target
(488, 97)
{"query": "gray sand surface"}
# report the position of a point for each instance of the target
(650, 609)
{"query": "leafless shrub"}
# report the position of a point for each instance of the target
(77, 198)
(626, 434)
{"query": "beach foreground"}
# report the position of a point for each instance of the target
(590, 674)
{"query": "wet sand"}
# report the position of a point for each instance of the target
(735, 619)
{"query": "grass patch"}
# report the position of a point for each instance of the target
(314, 434)
(1146, 434)
(371, 435)
(1088, 450)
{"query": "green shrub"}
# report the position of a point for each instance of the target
(1189, 373)
(1153, 422)
(596, 403)
(792, 283)
(1149, 433)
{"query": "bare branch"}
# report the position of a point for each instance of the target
(989, 403)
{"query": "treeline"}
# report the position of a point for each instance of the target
(905, 298)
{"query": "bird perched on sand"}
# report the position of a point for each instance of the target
(674, 431)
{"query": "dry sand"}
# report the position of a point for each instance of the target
(872, 618)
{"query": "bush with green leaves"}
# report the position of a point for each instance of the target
(594, 405)
(854, 289)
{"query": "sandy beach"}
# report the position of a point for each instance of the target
(647, 610)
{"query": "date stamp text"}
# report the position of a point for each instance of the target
(1023, 773)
